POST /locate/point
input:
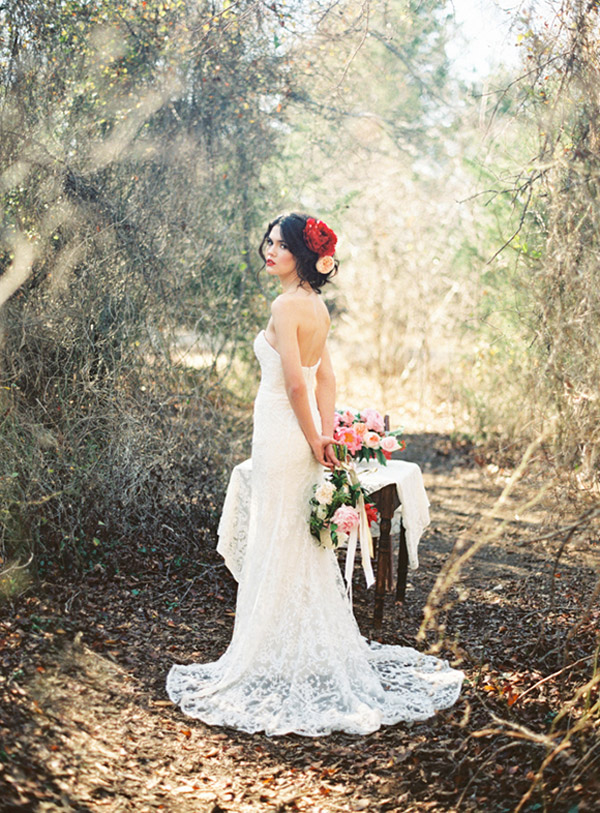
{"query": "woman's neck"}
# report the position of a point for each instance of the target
(286, 288)
(291, 284)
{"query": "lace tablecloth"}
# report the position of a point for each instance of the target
(413, 511)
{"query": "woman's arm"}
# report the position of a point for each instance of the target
(325, 393)
(285, 324)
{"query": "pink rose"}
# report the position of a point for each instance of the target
(373, 420)
(389, 444)
(346, 518)
(348, 418)
(371, 440)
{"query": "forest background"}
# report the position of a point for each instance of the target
(144, 145)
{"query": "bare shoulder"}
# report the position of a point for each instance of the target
(285, 313)
(299, 307)
(283, 304)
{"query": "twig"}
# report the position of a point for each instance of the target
(527, 795)
(549, 677)
(515, 730)
(573, 775)
(69, 601)
(366, 10)
(590, 514)
(8, 570)
(519, 227)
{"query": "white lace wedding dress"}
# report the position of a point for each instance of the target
(297, 661)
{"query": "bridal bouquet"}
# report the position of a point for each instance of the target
(363, 435)
(335, 507)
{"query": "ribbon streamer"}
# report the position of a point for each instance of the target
(362, 533)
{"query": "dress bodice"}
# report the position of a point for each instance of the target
(272, 379)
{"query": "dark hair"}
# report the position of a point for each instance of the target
(292, 228)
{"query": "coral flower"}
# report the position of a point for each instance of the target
(349, 438)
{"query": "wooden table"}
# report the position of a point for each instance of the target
(389, 487)
(387, 501)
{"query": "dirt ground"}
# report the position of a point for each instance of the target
(85, 724)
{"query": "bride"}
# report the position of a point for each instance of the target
(297, 661)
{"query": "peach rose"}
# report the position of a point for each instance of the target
(371, 440)
(325, 265)
(360, 428)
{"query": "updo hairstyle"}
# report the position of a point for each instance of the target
(292, 228)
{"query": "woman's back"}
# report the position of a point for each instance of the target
(312, 318)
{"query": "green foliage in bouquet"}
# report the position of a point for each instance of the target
(334, 512)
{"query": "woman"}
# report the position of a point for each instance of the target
(296, 661)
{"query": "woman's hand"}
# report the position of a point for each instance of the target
(331, 456)
(322, 448)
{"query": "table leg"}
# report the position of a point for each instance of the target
(402, 565)
(383, 554)
(387, 503)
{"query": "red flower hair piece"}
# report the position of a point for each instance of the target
(319, 237)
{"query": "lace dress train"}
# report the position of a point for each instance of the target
(297, 661)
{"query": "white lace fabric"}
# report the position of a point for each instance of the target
(297, 662)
